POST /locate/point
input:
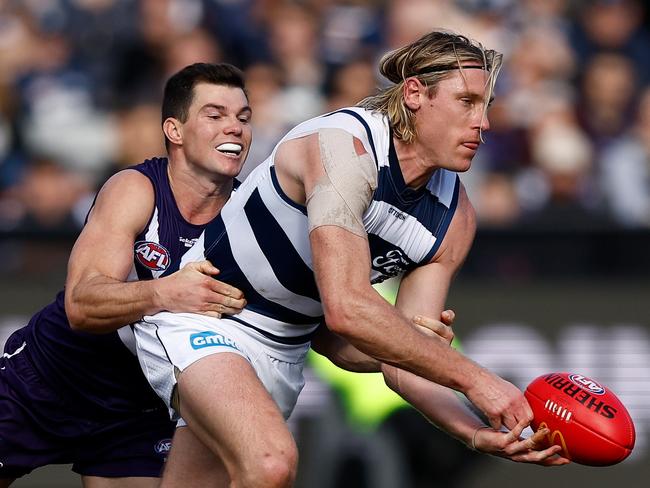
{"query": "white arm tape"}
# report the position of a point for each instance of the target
(344, 193)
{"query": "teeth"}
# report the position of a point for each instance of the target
(229, 147)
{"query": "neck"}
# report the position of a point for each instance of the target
(416, 169)
(199, 197)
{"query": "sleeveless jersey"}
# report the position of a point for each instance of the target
(97, 369)
(260, 241)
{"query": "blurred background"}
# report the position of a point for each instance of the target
(558, 278)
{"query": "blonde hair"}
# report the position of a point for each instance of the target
(431, 58)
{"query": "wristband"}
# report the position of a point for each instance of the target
(473, 446)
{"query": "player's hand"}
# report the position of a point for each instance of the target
(510, 445)
(437, 328)
(194, 289)
(503, 403)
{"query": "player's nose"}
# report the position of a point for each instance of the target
(234, 126)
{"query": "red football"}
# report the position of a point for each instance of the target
(587, 420)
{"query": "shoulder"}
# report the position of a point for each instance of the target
(460, 236)
(128, 190)
(359, 122)
(465, 213)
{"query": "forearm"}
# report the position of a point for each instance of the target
(438, 404)
(342, 353)
(379, 330)
(102, 304)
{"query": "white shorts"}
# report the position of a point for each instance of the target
(167, 342)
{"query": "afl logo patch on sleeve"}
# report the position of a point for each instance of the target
(152, 255)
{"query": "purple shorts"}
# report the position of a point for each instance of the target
(38, 428)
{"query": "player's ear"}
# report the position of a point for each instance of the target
(413, 91)
(173, 130)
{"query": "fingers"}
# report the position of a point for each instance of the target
(228, 305)
(514, 444)
(227, 291)
(225, 299)
(511, 421)
(546, 457)
(448, 317)
(538, 439)
(210, 313)
(225, 306)
(205, 267)
(495, 422)
(434, 328)
(517, 430)
(518, 412)
(533, 450)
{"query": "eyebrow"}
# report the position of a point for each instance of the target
(222, 108)
(466, 93)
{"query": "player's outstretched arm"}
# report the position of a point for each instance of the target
(97, 296)
(424, 291)
(346, 356)
(443, 407)
(440, 405)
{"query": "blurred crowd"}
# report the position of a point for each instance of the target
(569, 149)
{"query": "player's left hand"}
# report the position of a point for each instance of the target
(437, 328)
(510, 445)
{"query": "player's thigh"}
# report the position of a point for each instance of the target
(191, 464)
(226, 405)
(129, 482)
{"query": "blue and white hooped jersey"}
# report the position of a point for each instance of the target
(260, 241)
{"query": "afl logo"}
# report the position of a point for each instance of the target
(163, 446)
(152, 255)
(590, 385)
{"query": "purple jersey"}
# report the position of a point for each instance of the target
(98, 368)
(94, 381)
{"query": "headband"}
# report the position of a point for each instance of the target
(447, 67)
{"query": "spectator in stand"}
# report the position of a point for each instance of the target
(607, 96)
(294, 43)
(564, 157)
(612, 26)
(264, 84)
(350, 84)
(625, 171)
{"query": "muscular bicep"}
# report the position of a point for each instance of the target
(105, 245)
(341, 262)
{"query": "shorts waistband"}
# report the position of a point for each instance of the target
(289, 341)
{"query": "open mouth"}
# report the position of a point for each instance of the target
(230, 148)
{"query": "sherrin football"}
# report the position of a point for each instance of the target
(587, 420)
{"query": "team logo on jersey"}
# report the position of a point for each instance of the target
(210, 339)
(188, 242)
(152, 255)
(163, 446)
(391, 264)
(396, 213)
